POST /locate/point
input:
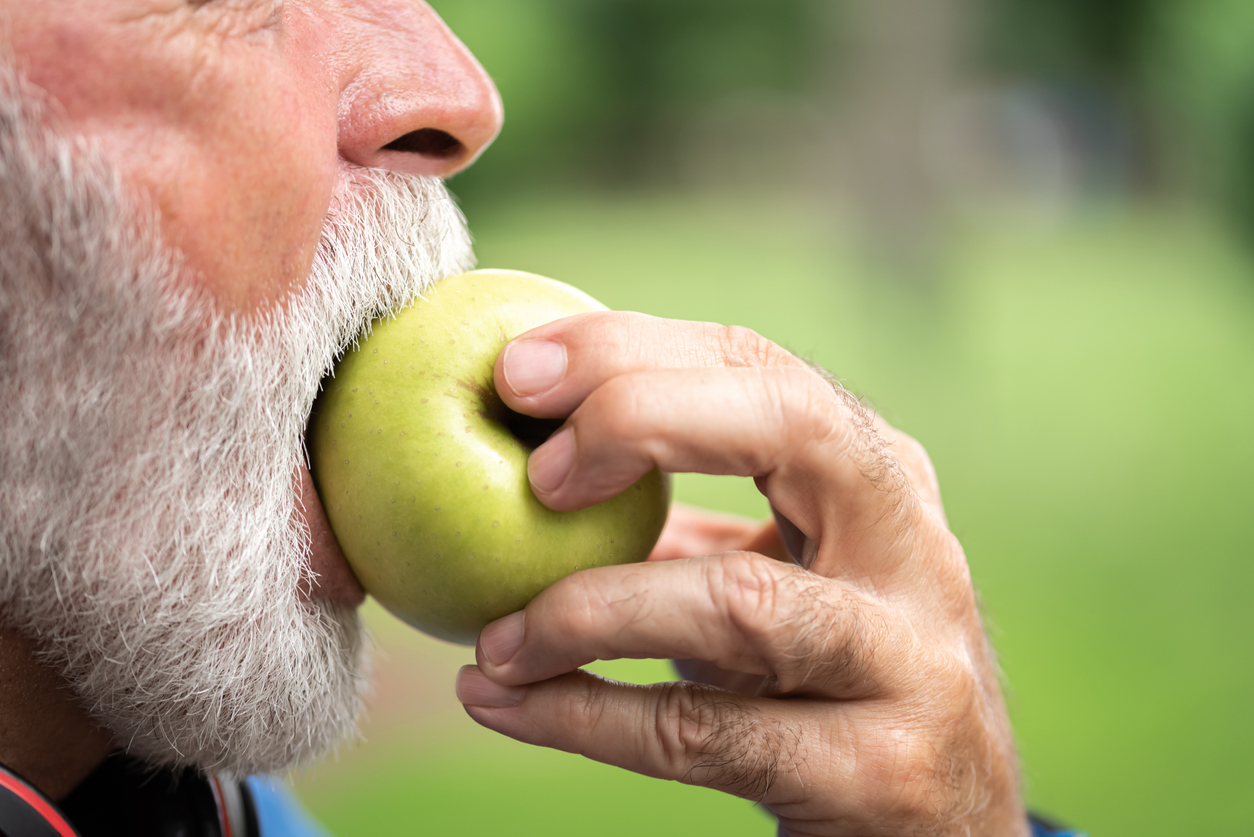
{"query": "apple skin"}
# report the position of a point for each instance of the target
(425, 483)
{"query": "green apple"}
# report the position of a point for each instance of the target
(422, 469)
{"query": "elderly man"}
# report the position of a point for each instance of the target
(201, 203)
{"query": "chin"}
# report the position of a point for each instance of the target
(151, 536)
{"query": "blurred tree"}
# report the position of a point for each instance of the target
(898, 58)
(596, 93)
(1186, 67)
(1093, 39)
(1203, 70)
(625, 93)
(662, 60)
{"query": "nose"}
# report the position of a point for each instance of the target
(416, 100)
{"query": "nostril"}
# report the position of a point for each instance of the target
(429, 142)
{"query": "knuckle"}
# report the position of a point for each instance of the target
(915, 792)
(806, 405)
(710, 739)
(913, 454)
(911, 447)
(824, 413)
(795, 405)
(750, 588)
(858, 436)
(570, 607)
(955, 573)
(809, 629)
(742, 346)
(848, 634)
(588, 704)
(944, 570)
(684, 726)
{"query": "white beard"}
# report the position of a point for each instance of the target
(149, 540)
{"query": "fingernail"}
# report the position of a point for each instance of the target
(475, 689)
(551, 462)
(501, 640)
(534, 366)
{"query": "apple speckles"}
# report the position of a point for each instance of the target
(409, 575)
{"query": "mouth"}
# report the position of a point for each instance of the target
(332, 578)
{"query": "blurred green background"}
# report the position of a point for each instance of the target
(1021, 230)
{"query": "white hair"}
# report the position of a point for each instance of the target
(149, 540)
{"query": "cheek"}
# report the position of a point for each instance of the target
(243, 184)
(234, 141)
(245, 201)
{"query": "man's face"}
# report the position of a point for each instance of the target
(241, 119)
(211, 199)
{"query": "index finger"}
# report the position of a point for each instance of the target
(549, 371)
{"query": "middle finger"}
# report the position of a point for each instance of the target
(741, 611)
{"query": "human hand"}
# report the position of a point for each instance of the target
(860, 697)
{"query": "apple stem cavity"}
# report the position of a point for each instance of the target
(531, 431)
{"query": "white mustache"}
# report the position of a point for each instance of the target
(148, 534)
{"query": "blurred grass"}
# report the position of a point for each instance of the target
(1085, 391)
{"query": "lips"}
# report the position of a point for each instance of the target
(333, 578)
